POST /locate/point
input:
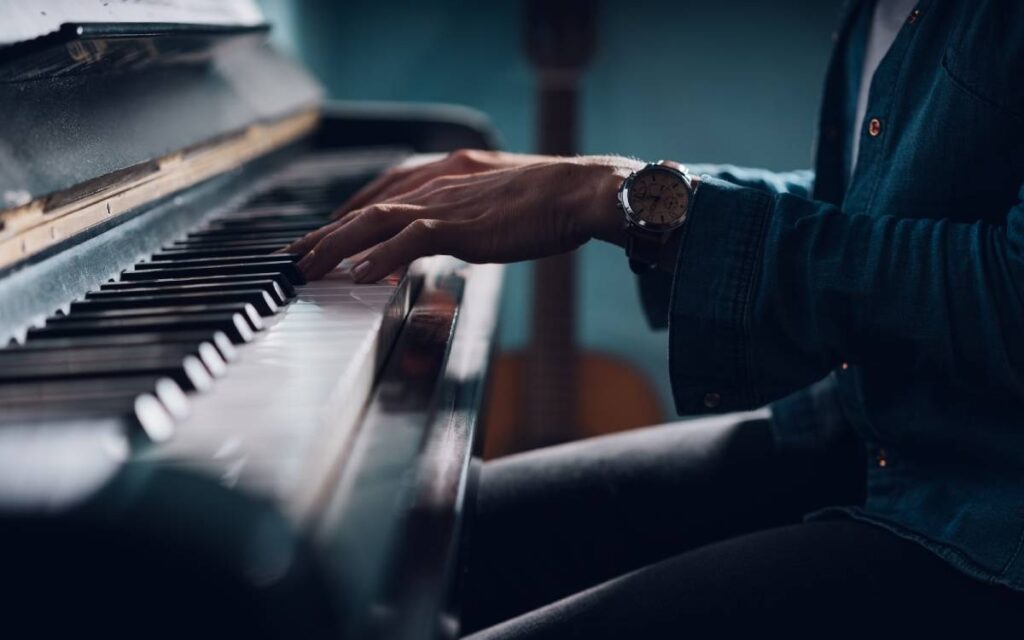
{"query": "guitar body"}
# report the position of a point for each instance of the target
(552, 391)
(611, 395)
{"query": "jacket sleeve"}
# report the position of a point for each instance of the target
(655, 286)
(772, 291)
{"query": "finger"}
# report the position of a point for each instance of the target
(370, 192)
(402, 180)
(422, 237)
(375, 224)
(308, 241)
(399, 181)
(448, 189)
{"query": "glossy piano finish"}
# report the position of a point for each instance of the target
(318, 487)
(325, 472)
(397, 518)
(371, 551)
(279, 422)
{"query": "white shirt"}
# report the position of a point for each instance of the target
(886, 22)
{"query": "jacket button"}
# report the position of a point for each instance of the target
(712, 400)
(914, 15)
(874, 127)
(844, 366)
(882, 459)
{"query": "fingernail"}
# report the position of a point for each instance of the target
(360, 270)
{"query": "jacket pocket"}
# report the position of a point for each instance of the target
(984, 56)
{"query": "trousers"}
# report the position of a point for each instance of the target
(696, 528)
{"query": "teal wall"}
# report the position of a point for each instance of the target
(725, 81)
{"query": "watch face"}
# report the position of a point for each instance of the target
(658, 198)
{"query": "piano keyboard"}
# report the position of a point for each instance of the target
(215, 347)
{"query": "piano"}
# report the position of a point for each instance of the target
(194, 441)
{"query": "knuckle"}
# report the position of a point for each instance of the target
(422, 227)
(468, 157)
(378, 209)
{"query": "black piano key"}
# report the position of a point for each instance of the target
(239, 234)
(306, 196)
(278, 212)
(74, 391)
(233, 325)
(290, 193)
(303, 211)
(132, 299)
(143, 413)
(188, 371)
(229, 227)
(276, 285)
(218, 339)
(272, 261)
(255, 230)
(195, 253)
(246, 310)
(241, 240)
(205, 351)
(288, 270)
(230, 243)
(185, 259)
(239, 237)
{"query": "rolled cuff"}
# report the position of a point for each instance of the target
(712, 289)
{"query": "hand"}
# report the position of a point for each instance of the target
(405, 178)
(493, 208)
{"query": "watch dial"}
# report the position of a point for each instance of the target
(658, 198)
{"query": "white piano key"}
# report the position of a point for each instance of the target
(290, 400)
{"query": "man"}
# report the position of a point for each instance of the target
(877, 302)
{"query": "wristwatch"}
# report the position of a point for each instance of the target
(655, 202)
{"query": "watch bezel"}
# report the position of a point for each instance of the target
(634, 219)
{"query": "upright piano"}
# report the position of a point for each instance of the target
(194, 441)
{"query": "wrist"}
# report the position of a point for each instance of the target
(604, 218)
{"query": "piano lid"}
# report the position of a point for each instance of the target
(28, 19)
(93, 100)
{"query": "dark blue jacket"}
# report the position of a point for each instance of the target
(901, 289)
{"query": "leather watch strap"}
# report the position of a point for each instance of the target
(643, 252)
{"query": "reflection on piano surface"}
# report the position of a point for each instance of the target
(192, 438)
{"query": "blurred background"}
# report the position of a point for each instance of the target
(726, 81)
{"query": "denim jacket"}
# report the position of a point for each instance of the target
(890, 302)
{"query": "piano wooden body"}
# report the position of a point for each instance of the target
(194, 441)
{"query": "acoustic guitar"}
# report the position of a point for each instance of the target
(553, 391)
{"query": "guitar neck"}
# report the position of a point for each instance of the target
(559, 40)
